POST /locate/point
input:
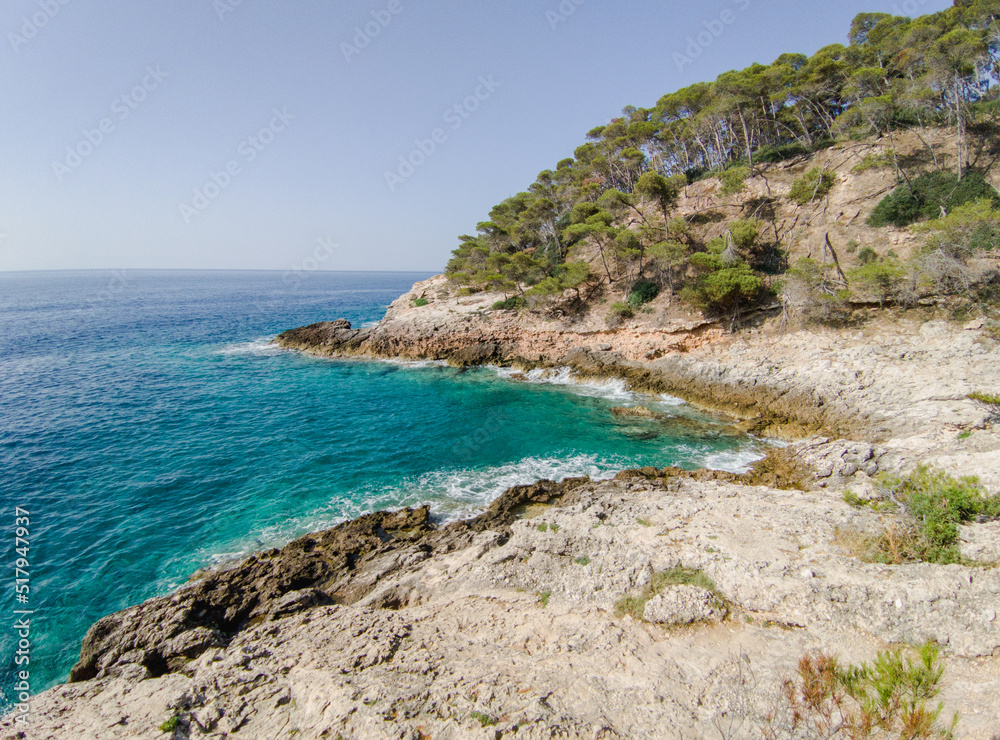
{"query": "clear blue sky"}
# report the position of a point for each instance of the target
(181, 87)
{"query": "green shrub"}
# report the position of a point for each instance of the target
(582, 561)
(970, 228)
(866, 255)
(511, 304)
(484, 720)
(937, 503)
(882, 279)
(642, 293)
(621, 310)
(421, 302)
(887, 699)
(734, 180)
(990, 399)
(774, 154)
(725, 290)
(873, 162)
(925, 196)
(814, 185)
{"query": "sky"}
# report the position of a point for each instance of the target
(350, 135)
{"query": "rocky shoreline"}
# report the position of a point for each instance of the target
(510, 624)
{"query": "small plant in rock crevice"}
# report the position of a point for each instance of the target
(679, 576)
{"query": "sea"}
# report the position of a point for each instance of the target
(149, 428)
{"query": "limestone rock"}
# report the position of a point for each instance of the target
(679, 605)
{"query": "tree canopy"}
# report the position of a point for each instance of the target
(618, 190)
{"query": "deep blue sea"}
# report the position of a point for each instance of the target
(150, 430)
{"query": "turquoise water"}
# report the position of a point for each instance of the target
(150, 429)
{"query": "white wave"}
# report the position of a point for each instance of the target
(740, 460)
(412, 363)
(262, 347)
(612, 388)
(452, 495)
(456, 494)
(672, 401)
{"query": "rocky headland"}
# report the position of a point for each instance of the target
(511, 624)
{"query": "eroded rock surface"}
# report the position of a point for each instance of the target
(517, 624)
(505, 625)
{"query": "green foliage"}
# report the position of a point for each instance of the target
(881, 279)
(610, 203)
(643, 291)
(781, 152)
(484, 720)
(582, 561)
(681, 576)
(620, 310)
(990, 399)
(726, 289)
(889, 698)
(543, 598)
(171, 724)
(421, 302)
(814, 185)
(970, 228)
(678, 576)
(734, 180)
(936, 504)
(925, 196)
(873, 162)
(634, 606)
(745, 233)
(867, 255)
(510, 304)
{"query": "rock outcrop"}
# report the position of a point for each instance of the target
(506, 626)
(509, 624)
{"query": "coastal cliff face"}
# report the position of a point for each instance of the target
(510, 624)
